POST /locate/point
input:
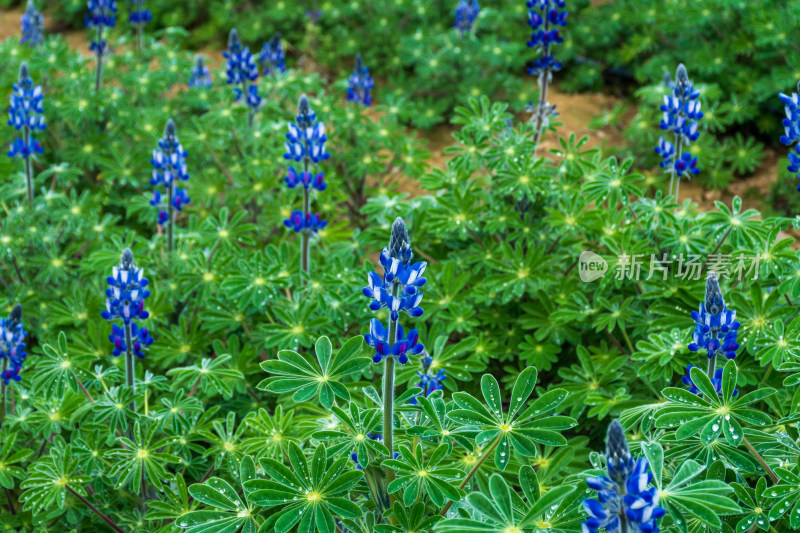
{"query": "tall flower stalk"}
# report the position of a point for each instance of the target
(32, 23)
(242, 73)
(791, 126)
(467, 12)
(169, 169)
(544, 18)
(12, 350)
(138, 17)
(681, 111)
(125, 296)
(625, 504)
(360, 84)
(26, 115)
(305, 143)
(101, 14)
(397, 290)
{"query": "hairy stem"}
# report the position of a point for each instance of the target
(95, 510)
(26, 134)
(474, 470)
(98, 80)
(130, 368)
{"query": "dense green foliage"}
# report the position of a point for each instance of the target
(259, 386)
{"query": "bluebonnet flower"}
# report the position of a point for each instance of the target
(201, 76)
(32, 25)
(305, 142)
(544, 18)
(429, 383)
(791, 125)
(101, 14)
(169, 168)
(298, 222)
(716, 381)
(12, 345)
(272, 59)
(681, 113)
(139, 15)
(715, 325)
(360, 84)
(26, 114)
(140, 339)
(466, 13)
(306, 179)
(241, 69)
(624, 494)
(127, 291)
(398, 290)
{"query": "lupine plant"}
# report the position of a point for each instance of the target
(360, 84)
(138, 18)
(544, 17)
(32, 25)
(26, 115)
(242, 72)
(200, 77)
(272, 59)
(101, 14)
(305, 143)
(12, 351)
(466, 14)
(261, 407)
(169, 169)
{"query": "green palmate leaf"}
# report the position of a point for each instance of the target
(506, 431)
(294, 373)
(414, 474)
(211, 376)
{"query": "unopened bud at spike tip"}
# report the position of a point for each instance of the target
(303, 107)
(169, 130)
(233, 40)
(16, 314)
(23, 71)
(617, 453)
(126, 260)
(714, 301)
(681, 76)
(276, 40)
(359, 63)
(399, 241)
(198, 62)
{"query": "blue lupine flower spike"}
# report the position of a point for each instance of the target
(169, 168)
(397, 290)
(12, 346)
(272, 58)
(26, 114)
(32, 25)
(305, 143)
(138, 17)
(791, 126)
(360, 84)
(241, 70)
(466, 14)
(100, 14)
(715, 329)
(682, 112)
(625, 504)
(201, 76)
(544, 17)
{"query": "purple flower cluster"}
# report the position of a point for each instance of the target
(125, 296)
(100, 14)
(791, 126)
(545, 17)
(681, 113)
(169, 168)
(398, 290)
(466, 14)
(200, 77)
(241, 69)
(139, 16)
(26, 114)
(715, 327)
(272, 59)
(623, 495)
(429, 383)
(32, 25)
(360, 84)
(12, 345)
(305, 142)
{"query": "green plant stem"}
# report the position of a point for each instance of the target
(627, 339)
(388, 391)
(306, 209)
(475, 468)
(760, 459)
(130, 368)
(5, 389)
(678, 151)
(98, 81)
(83, 389)
(26, 134)
(139, 40)
(545, 82)
(171, 221)
(95, 510)
(712, 364)
(716, 249)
